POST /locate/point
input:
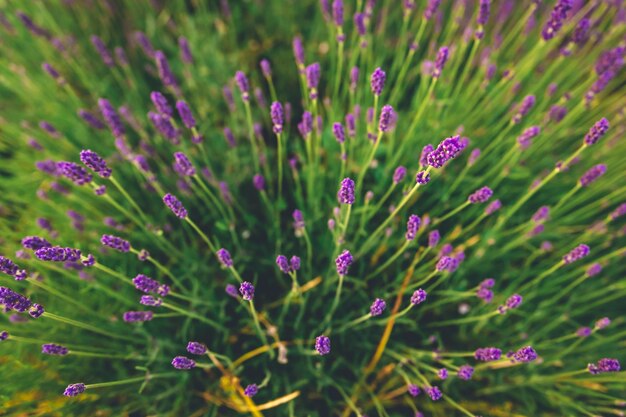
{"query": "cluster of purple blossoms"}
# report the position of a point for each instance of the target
(618, 212)
(111, 118)
(54, 349)
(511, 303)
(251, 390)
(399, 174)
(433, 238)
(440, 61)
(322, 345)
(596, 132)
(148, 285)
(345, 195)
(4, 335)
(298, 220)
(525, 106)
(183, 363)
(115, 242)
(343, 262)
(412, 227)
(592, 175)
(137, 316)
(224, 257)
(288, 266)
(483, 17)
(8, 266)
(484, 291)
(339, 133)
(583, 332)
(12, 300)
(480, 196)
(185, 114)
(73, 390)
(434, 393)
(448, 149)
(277, 116)
(378, 307)
(74, 172)
(602, 323)
(418, 297)
(161, 104)
(542, 214)
(387, 118)
(58, 254)
(378, 81)
(175, 205)
(525, 139)
(247, 291)
(165, 127)
(465, 372)
(524, 354)
(95, 162)
(575, 254)
(422, 177)
(442, 373)
(148, 300)
(487, 354)
(183, 166)
(558, 15)
(413, 390)
(196, 348)
(604, 365)
(594, 269)
(493, 207)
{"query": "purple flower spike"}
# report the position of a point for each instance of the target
(387, 115)
(338, 12)
(431, 9)
(4, 335)
(343, 262)
(165, 72)
(232, 291)
(525, 106)
(575, 254)
(183, 363)
(259, 182)
(525, 139)
(604, 365)
(283, 263)
(251, 390)
(422, 177)
(412, 227)
(176, 206)
(111, 117)
(298, 51)
(294, 263)
(266, 68)
(359, 23)
(73, 390)
(247, 291)
(91, 119)
(434, 393)
(433, 238)
(480, 196)
(413, 390)
(185, 114)
(224, 257)
(313, 75)
(51, 71)
(483, 12)
(602, 323)
(418, 297)
(322, 345)
(243, 84)
(378, 81)
(185, 50)
(493, 207)
(196, 348)
(399, 174)
(104, 53)
(298, 220)
(53, 349)
(425, 151)
(465, 372)
(592, 174)
(94, 162)
(276, 114)
(558, 15)
(487, 354)
(440, 62)
(115, 242)
(345, 195)
(596, 132)
(58, 254)
(448, 149)
(514, 301)
(525, 354)
(377, 307)
(148, 300)
(442, 373)
(182, 165)
(137, 316)
(74, 172)
(339, 133)
(7, 266)
(161, 104)
(33, 243)
(583, 332)
(594, 270)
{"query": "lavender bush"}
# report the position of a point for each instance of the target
(302, 208)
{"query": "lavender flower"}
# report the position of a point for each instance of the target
(298, 51)
(343, 262)
(266, 68)
(526, 105)
(322, 345)
(487, 354)
(465, 372)
(74, 172)
(596, 132)
(196, 348)
(431, 9)
(412, 227)
(440, 62)
(480, 196)
(185, 114)
(111, 117)
(575, 254)
(251, 390)
(558, 15)
(13, 300)
(359, 23)
(434, 393)
(276, 114)
(345, 195)
(298, 220)
(448, 149)
(149, 300)
(424, 155)
(422, 177)
(247, 291)
(243, 84)
(4, 335)
(58, 254)
(602, 323)
(339, 132)
(51, 71)
(413, 390)
(53, 349)
(594, 270)
(525, 139)
(514, 301)
(232, 291)
(182, 165)
(525, 354)
(115, 242)
(144, 43)
(418, 297)
(493, 207)
(542, 214)
(176, 206)
(185, 50)
(294, 263)
(387, 115)
(313, 76)
(94, 162)
(73, 390)
(399, 174)
(483, 17)
(34, 243)
(137, 316)
(259, 182)
(442, 373)
(583, 332)
(224, 257)
(165, 72)
(183, 363)
(433, 238)
(378, 307)
(604, 365)
(148, 285)
(592, 175)
(283, 264)
(618, 212)
(102, 51)
(378, 81)
(7, 266)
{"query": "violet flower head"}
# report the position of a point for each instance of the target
(185, 50)
(58, 254)
(266, 68)
(74, 172)
(596, 132)
(514, 301)
(485, 294)
(387, 115)
(137, 316)
(95, 162)
(251, 390)
(115, 242)
(148, 285)
(338, 12)
(425, 151)
(182, 165)
(243, 84)
(480, 196)
(54, 349)
(493, 207)
(144, 43)
(442, 373)
(224, 257)
(298, 220)
(378, 81)
(232, 291)
(165, 72)
(474, 155)
(602, 323)
(431, 9)
(433, 238)
(283, 264)
(542, 214)
(399, 174)
(183, 363)
(4, 335)
(339, 133)
(276, 114)
(378, 307)
(322, 345)
(298, 51)
(51, 71)
(312, 73)
(247, 291)
(525, 139)
(359, 23)
(13, 300)
(343, 262)
(34, 243)
(443, 263)
(522, 110)
(575, 254)
(483, 13)
(91, 119)
(583, 332)
(434, 393)
(175, 205)
(422, 177)
(448, 149)
(111, 117)
(592, 175)
(259, 182)
(149, 300)
(440, 61)
(557, 16)
(525, 354)
(412, 227)
(618, 212)
(185, 114)
(594, 269)
(345, 195)
(604, 365)
(73, 390)
(196, 348)
(102, 50)
(465, 372)
(294, 263)
(487, 354)
(418, 297)
(413, 390)
(8, 266)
